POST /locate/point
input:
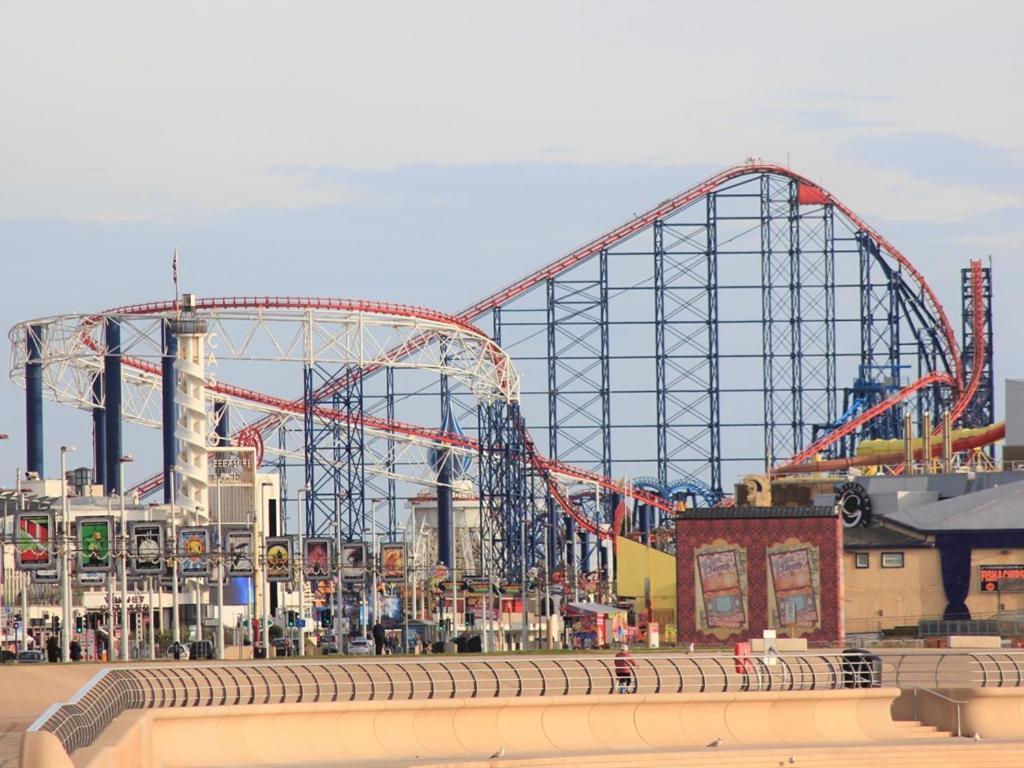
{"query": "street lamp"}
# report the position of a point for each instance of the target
(301, 565)
(126, 459)
(175, 618)
(65, 565)
(264, 602)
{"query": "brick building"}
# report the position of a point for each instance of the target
(742, 570)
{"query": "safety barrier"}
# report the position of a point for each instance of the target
(77, 723)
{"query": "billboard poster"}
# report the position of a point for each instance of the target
(721, 581)
(238, 549)
(194, 552)
(93, 540)
(145, 548)
(279, 559)
(391, 610)
(316, 559)
(32, 541)
(1002, 578)
(793, 578)
(353, 561)
(392, 562)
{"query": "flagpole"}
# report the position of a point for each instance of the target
(174, 275)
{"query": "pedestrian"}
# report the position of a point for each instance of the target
(76, 651)
(625, 670)
(378, 638)
(177, 651)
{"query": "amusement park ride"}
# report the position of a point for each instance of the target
(753, 323)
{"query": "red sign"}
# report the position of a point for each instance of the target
(1002, 578)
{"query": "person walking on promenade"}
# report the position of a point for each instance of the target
(378, 638)
(625, 670)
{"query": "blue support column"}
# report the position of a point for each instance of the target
(169, 385)
(99, 434)
(644, 515)
(570, 544)
(588, 561)
(34, 401)
(112, 400)
(551, 553)
(445, 538)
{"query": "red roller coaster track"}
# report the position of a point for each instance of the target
(464, 318)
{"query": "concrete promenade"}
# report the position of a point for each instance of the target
(532, 710)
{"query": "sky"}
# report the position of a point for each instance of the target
(429, 152)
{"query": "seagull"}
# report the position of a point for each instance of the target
(977, 737)
(716, 743)
(792, 759)
(499, 754)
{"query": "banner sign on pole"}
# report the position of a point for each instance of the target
(33, 549)
(238, 549)
(194, 551)
(316, 559)
(94, 535)
(392, 562)
(353, 561)
(279, 559)
(145, 548)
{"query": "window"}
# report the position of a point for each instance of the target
(862, 559)
(892, 559)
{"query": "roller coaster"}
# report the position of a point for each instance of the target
(710, 334)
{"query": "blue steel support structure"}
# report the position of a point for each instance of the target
(335, 472)
(981, 411)
(99, 434)
(112, 401)
(169, 386)
(34, 401)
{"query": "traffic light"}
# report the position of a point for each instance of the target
(325, 618)
(79, 624)
(54, 624)
(291, 618)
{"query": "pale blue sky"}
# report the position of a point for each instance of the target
(427, 153)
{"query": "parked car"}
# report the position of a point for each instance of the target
(31, 657)
(202, 649)
(283, 645)
(328, 645)
(182, 649)
(360, 646)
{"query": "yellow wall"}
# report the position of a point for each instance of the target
(986, 605)
(636, 563)
(879, 598)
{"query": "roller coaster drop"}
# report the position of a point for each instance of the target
(657, 318)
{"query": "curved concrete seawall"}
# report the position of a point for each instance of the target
(355, 733)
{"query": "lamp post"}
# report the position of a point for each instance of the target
(264, 603)
(149, 611)
(111, 650)
(220, 575)
(65, 563)
(126, 459)
(175, 618)
(301, 563)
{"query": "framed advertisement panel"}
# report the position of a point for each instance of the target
(238, 550)
(353, 561)
(146, 544)
(279, 559)
(93, 540)
(392, 562)
(194, 552)
(316, 559)
(33, 541)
